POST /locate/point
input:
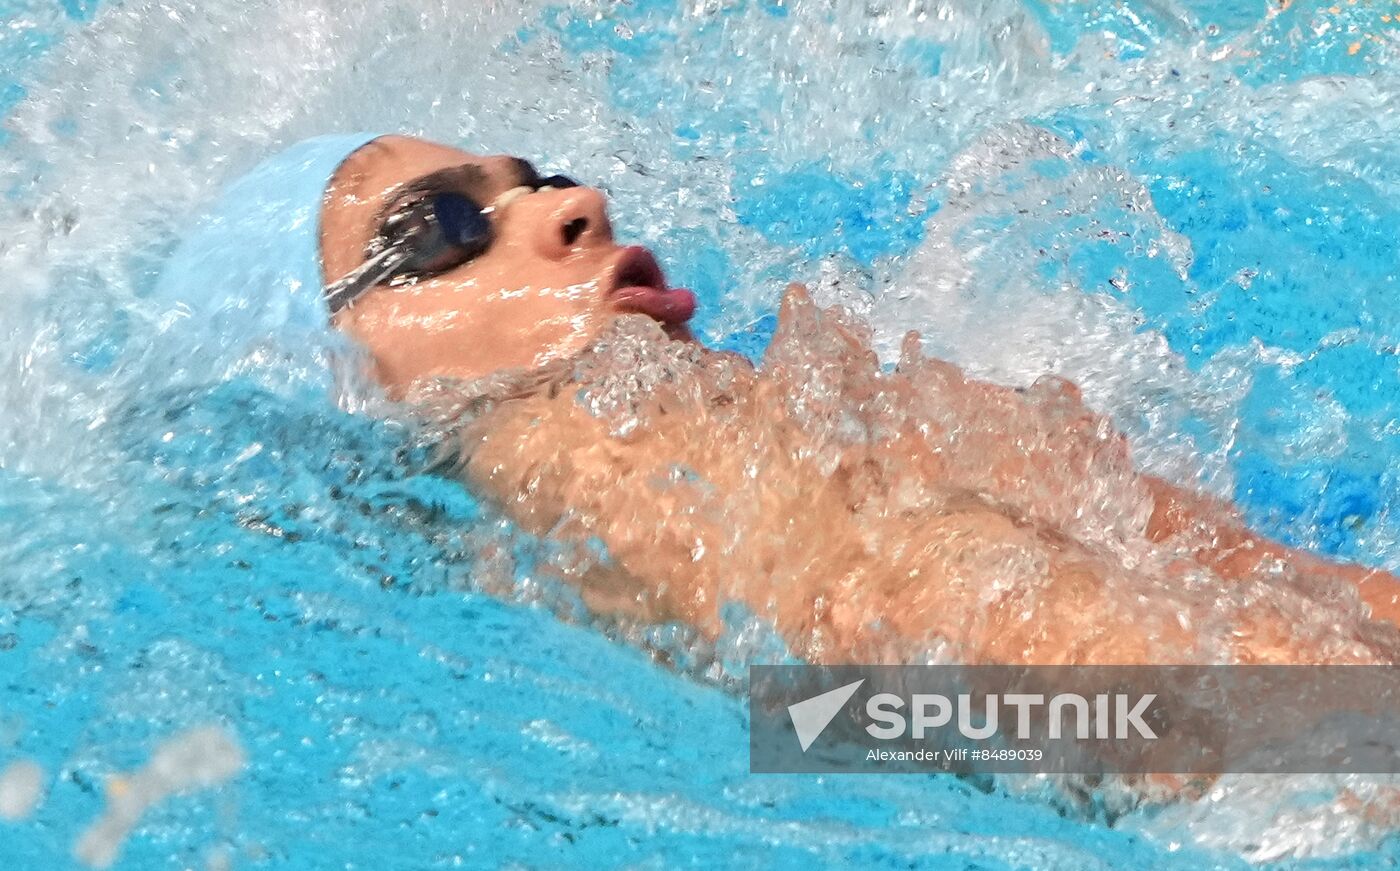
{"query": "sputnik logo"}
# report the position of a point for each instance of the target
(810, 717)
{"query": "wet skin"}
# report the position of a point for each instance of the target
(552, 277)
(555, 278)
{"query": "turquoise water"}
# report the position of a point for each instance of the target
(243, 553)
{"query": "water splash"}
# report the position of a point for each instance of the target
(1102, 191)
(21, 789)
(198, 759)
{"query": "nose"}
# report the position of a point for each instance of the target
(566, 221)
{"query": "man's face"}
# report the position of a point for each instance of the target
(550, 280)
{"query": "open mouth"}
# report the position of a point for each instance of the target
(639, 285)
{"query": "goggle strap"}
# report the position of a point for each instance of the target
(378, 268)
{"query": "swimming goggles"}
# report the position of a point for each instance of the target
(428, 235)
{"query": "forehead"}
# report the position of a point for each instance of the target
(367, 179)
(392, 160)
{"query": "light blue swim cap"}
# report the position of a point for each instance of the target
(249, 272)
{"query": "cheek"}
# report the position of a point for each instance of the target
(512, 271)
(547, 302)
(478, 320)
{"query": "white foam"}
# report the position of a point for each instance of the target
(199, 758)
(21, 789)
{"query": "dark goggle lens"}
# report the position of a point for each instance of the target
(443, 231)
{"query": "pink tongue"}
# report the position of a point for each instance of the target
(674, 306)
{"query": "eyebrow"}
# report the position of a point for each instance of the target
(526, 174)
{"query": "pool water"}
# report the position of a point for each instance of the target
(1187, 207)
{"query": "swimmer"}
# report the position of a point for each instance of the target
(885, 517)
